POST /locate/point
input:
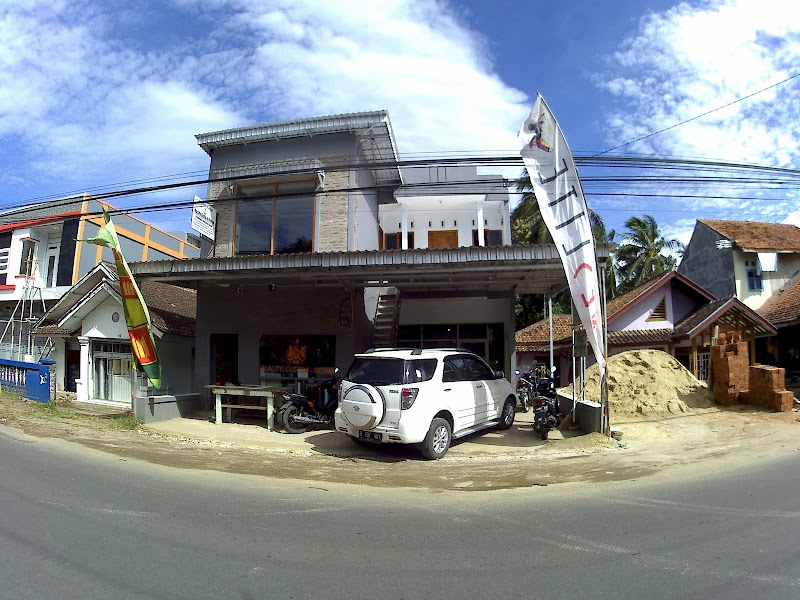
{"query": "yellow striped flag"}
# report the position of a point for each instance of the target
(137, 317)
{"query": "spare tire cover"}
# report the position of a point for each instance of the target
(363, 406)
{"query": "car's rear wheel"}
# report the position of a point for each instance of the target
(437, 442)
(507, 416)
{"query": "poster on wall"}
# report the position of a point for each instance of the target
(296, 356)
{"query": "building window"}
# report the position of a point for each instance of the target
(275, 218)
(754, 281)
(28, 256)
(394, 241)
(491, 237)
(4, 260)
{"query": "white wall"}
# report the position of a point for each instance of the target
(463, 214)
(100, 324)
(788, 265)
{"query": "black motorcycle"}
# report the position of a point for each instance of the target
(300, 413)
(546, 408)
(525, 389)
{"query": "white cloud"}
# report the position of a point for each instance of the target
(102, 92)
(697, 57)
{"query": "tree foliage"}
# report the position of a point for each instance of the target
(643, 253)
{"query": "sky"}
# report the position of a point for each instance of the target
(100, 95)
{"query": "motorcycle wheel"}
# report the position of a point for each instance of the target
(287, 415)
(543, 433)
(523, 401)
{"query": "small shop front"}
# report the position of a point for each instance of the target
(300, 362)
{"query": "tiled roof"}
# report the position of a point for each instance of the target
(730, 312)
(757, 236)
(172, 309)
(639, 336)
(534, 336)
(784, 305)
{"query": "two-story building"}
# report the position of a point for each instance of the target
(758, 263)
(41, 258)
(327, 244)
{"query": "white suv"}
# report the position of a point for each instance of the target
(423, 397)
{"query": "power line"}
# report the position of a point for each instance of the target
(649, 135)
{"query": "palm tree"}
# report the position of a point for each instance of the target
(640, 256)
(527, 225)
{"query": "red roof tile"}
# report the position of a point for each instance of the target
(758, 236)
(784, 305)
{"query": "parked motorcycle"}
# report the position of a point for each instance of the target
(546, 407)
(525, 389)
(300, 413)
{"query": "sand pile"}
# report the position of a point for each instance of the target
(647, 383)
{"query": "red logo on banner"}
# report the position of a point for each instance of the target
(142, 345)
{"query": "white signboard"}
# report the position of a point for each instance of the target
(204, 218)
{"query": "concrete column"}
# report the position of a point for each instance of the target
(83, 385)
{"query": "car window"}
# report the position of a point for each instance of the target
(477, 369)
(376, 371)
(420, 370)
(451, 372)
(469, 368)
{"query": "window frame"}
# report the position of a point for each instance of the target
(754, 281)
(276, 197)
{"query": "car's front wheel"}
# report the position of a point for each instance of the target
(437, 442)
(507, 416)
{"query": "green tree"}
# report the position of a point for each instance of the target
(527, 225)
(641, 255)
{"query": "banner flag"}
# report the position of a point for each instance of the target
(137, 317)
(563, 208)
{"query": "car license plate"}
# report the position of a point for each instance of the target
(370, 435)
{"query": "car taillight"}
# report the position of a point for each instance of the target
(407, 397)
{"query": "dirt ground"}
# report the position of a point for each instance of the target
(709, 437)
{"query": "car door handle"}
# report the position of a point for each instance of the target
(447, 389)
(479, 386)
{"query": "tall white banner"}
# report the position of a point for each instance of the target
(563, 207)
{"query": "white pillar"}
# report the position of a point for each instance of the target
(84, 384)
(404, 229)
(481, 234)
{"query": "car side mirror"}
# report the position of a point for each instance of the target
(500, 375)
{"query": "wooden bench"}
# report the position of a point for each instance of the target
(250, 391)
(231, 407)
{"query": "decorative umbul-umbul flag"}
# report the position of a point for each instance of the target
(137, 317)
(563, 208)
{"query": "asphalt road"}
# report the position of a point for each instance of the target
(76, 523)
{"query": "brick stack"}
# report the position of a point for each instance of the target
(729, 364)
(768, 389)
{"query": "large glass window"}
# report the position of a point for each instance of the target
(275, 218)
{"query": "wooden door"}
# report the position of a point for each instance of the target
(443, 239)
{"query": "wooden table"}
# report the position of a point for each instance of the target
(255, 391)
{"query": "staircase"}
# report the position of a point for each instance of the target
(387, 313)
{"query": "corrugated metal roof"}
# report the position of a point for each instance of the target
(525, 269)
(291, 128)
(43, 210)
(374, 128)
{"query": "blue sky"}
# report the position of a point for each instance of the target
(99, 94)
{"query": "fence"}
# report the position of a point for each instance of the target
(31, 380)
